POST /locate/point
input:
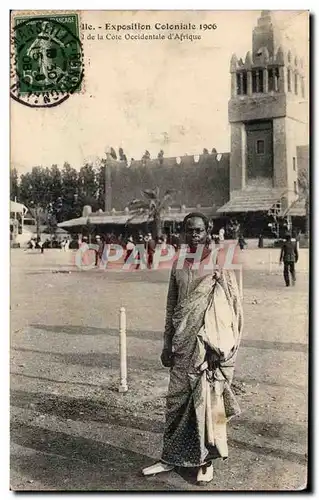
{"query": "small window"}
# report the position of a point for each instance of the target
(289, 80)
(273, 80)
(241, 83)
(238, 85)
(294, 163)
(296, 83)
(271, 83)
(258, 82)
(244, 89)
(260, 147)
(276, 79)
(254, 81)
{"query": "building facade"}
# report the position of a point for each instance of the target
(257, 182)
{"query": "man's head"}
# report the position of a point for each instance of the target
(195, 227)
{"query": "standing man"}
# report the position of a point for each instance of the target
(241, 241)
(99, 251)
(289, 256)
(150, 249)
(129, 248)
(201, 339)
(221, 235)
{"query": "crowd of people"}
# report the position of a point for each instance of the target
(129, 244)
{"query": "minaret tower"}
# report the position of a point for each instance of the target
(267, 113)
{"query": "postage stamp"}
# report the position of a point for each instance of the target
(46, 59)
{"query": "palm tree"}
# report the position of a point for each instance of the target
(153, 205)
(40, 216)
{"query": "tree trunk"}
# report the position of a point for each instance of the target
(158, 225)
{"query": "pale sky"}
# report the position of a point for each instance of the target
(169, 95)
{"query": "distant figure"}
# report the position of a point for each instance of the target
(32, 244)
(289, 256)
(164, 243)
(175, 241)
(140, 242)
(241, 242)
(98, 252)
(261, 241)
(63, 243)
(129, 248)
(67, 245)
(210, 242)
(150, 249)
(221, 235)
(40, 243)
(84, 243)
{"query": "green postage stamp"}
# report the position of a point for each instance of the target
(46, 59)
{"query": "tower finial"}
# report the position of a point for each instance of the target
(265, 13)
(266, 34)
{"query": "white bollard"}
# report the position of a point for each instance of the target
(123, 362)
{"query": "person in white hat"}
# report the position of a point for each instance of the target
(129, 247)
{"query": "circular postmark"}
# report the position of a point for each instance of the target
(46, 62)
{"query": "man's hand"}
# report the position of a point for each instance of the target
(167, 358)
(213, 359)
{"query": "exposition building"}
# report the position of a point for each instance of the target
(257, 182)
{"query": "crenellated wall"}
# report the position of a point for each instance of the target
(205, 182)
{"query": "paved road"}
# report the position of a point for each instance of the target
(71, 430)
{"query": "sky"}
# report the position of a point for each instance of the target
(153, 95)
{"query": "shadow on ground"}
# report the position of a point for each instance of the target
(64, 462)
(158, 335)
(87, 410)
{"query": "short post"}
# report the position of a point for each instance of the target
(123, 362)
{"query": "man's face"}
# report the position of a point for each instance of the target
(195, 232)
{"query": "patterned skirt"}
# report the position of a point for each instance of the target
(183, 444)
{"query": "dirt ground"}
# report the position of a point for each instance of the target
(70, 427)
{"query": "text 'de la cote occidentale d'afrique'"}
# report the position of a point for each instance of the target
(139, 31)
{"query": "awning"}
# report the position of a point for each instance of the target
(80, 221)
(127, 218)
(108, 219)
(252, 201)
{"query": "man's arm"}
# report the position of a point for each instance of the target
(171, 303)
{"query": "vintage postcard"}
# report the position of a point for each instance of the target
(159, 231)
